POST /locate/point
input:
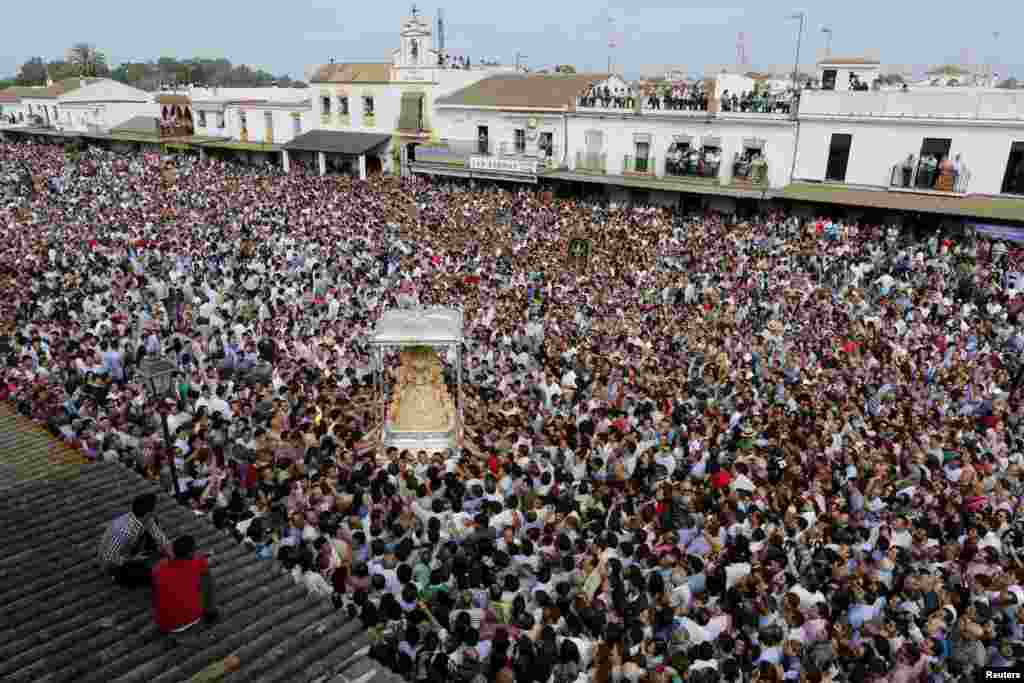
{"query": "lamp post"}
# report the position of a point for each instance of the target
(799, 37)
(827, 30)
(156, 375)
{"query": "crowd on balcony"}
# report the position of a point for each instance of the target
(609, 98)
(677, 97)
(683, 160)
(931, 172)
(757, 102)
(792, 452)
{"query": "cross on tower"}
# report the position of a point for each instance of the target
(415, 12)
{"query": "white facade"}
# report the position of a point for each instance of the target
(731, 133)
(373, 101)
(252, 121)
(102, 105)
(980, 126)
(838, 72)
(511, 133)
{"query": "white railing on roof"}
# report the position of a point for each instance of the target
(971, 104)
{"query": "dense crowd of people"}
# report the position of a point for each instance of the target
(719, 450)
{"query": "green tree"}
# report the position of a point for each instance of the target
(88, 61)
(565, 69)
(32, 72)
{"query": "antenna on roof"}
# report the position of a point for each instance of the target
(440, 30)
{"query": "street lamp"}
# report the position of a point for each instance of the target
(827, 30)
(799, 37)
(156, 374)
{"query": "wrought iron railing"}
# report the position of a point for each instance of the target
(928, 177)
(590, 162)
(642, 165)
(693, 167)
(620, 102)
(750, 171)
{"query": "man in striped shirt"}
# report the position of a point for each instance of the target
(131, 545)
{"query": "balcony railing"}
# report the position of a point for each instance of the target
(752, 172)
(616, 103)
(667, 103)
(928, 178)
(459, 152)
(692, 167)
(638, 165)
(770, 105)
(589, 162)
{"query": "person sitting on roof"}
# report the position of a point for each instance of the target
(183, 589)
(128, 549)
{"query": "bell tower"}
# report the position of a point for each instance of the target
(417, 42)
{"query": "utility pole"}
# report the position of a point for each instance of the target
(799, 38)
(611, 42)
(827, 30)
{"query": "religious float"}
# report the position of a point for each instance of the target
(418, 409)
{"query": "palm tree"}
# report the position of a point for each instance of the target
(87, 59)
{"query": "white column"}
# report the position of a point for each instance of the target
(362, 167)
(323, 163)
(286, 162)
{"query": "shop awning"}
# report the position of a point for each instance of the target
(411, 116)
(336, 142)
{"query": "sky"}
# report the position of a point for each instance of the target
(289, 37)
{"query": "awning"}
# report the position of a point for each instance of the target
(411, 116)
(753, 143)
(972, 206)
(681, 139)
(336, 142)
(710, 141)
(239, 146)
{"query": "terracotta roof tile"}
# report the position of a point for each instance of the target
(64, 620)
(353, 72)
(171, 98)
(524, 90)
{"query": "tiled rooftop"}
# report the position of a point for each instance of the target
(62, 619)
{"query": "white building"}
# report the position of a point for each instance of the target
(864, 138)
(102, 105)
(507, 127)
(391, 103)
(840, 73)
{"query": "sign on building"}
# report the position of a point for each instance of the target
(481, 163)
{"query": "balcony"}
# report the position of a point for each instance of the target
(369, 121)
(610, 105)
(637, 165)
(748, 173)
(588, 162)
(923, 177)
(484, 154)
(325, 119)
(693, 166)
(342, 119)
